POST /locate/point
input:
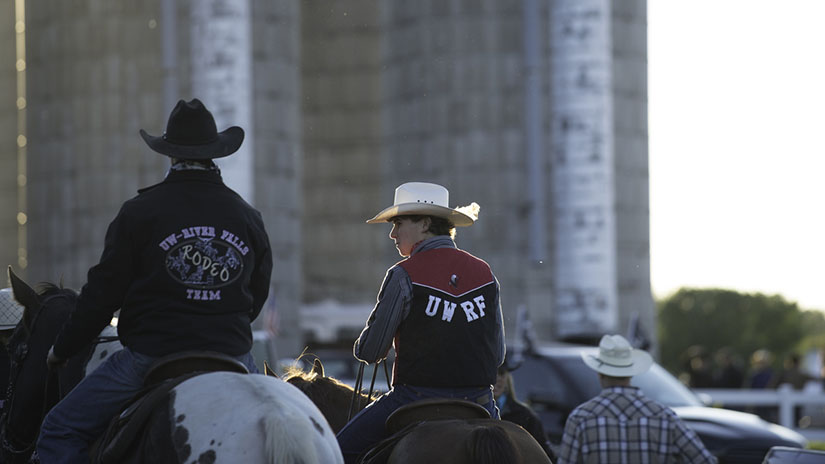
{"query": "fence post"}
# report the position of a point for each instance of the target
(786, 405)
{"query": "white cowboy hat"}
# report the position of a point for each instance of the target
(617, 358)
(429, 200)
(10, 310)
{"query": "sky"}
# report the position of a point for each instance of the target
(736, 92)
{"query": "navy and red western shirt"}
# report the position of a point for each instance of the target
(449, 338)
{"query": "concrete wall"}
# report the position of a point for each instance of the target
(343, 257)
(92, 83)
(350, 99)
(454, 115)
(631, 164)
(8, 142)
(96, 76)
(435, 92)
(278, 165)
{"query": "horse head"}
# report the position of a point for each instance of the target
(330, 395)
(28, 397)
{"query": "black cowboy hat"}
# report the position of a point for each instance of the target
(191, 134)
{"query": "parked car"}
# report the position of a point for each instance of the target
(554, 380)
(784, 455)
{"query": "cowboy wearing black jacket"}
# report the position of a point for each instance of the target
(187, 262)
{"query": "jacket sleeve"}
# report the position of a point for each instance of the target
(259, 282)
(502, 346)
(104, 292)
(392, 307)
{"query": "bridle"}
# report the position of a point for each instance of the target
(9, 444)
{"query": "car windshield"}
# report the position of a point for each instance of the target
(656, 383)
(575, 383)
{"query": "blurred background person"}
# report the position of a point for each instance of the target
(513, 410)
(729, 372)
(761, 377)
(699, 368)
(792, 373)
(761, 372)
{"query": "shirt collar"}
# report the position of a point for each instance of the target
(211, 176)
(628, 390)
(439, 241)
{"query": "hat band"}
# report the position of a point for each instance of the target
(188, 142)
(605, 363)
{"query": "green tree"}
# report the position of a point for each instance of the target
(813, 324)
(717, 318)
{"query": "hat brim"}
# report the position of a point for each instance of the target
(228, 142)
(458, 218)
(640, 362)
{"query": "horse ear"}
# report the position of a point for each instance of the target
(26, 296)
(268, 371)
(317, 367)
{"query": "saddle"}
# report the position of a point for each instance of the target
(125, 430)
(407, 417)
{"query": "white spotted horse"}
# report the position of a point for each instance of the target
(428, 431)
(202, 417)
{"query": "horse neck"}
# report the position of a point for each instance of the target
(26, 402)
(331, 397)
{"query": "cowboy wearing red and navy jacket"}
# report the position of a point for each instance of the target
(187, 262)
(439, 308)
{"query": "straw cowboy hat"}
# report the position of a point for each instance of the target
(414, 198)
(191, 134)
(617, 358)
(10, 310)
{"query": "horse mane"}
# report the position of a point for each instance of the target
(315, 385)
(47, 289)
(490, 444)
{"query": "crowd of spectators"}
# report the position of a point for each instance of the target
(726, 369)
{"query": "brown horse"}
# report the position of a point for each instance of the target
(332, 397)
(454, 441)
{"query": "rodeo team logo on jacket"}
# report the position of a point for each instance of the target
(198, 257)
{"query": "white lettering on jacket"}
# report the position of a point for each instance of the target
(204, 295)
(235, 241)
(185, 233)
(448, 309)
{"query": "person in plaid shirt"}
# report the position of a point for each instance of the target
(621, 425)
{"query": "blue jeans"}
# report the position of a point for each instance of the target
(71, 427)
(367, 427)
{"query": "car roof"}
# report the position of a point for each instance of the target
(556, 349)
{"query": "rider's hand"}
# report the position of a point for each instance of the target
(54, 361)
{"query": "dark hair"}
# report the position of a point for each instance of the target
(438, 225)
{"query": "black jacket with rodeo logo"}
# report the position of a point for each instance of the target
(187, 262)
(451, 336)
